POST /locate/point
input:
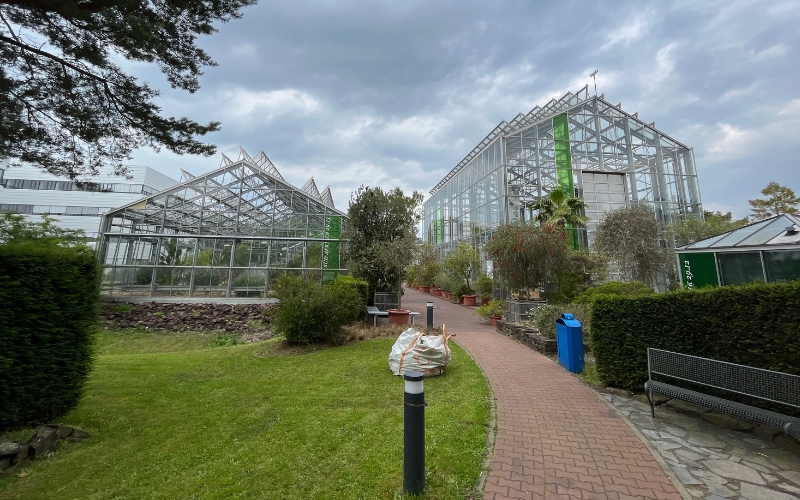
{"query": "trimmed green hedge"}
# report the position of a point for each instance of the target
(754, 325)
(48, 309)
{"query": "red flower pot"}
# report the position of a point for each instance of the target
(447, 295)
(493, 319)
(425, 289)
(484, 302)
(398, 316)
(469, 300)
(436, 292)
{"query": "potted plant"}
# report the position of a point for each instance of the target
(442, 283)
(485, 288)
(398, 316)
(461, 263)
(492, 311)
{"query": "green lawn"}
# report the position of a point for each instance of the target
(176, 416)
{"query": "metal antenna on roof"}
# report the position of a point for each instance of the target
(594, 77)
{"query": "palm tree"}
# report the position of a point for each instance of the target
(560, 209)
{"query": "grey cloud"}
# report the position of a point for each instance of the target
(403, 91)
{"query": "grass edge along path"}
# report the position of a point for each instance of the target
(219, 422)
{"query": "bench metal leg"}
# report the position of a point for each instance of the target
(649, 394)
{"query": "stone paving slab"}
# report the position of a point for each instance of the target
(555, 437)
(715, 463)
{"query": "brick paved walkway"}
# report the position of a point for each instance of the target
(555, 437)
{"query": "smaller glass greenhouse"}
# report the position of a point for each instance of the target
(767, 250)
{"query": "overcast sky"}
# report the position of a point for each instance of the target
(397, 93)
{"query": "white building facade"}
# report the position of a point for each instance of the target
(32, 191)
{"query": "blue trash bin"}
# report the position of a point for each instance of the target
(569, 338)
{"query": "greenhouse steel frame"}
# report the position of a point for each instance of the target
(579, 143)
(228, 233)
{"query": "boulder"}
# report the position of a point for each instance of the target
(79, 434)
(43, 441)
(10, 448)
(5, 463)
(23, 453)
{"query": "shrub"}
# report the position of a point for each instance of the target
(495, 307)
(443, 282)
(360, 286)
(750, 325)
(628, 289)
(310, 312)
(484, 286)
(544, 318)
(48, 308)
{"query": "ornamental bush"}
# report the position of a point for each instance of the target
(525, 255)
(752, 325)
(311, 313)
(48, 308)
(627, 289)
(544, 318)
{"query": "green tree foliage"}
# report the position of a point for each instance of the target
(561, 209)
(578, 271)
(382, 236)
(629, 237)
(526, 255)
(693, 229)
(778, 200)
(16, 228)
(68, 107)
(310, 312)
(461, 263)
(427, 260)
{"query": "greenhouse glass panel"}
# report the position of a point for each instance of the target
(782, 265)
(739, 268)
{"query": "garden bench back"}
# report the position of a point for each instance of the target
(385, 301)
(772, 386)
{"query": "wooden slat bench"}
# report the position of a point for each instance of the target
(767, 385)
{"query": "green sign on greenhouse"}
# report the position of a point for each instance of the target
(330, 249)
(698, 270)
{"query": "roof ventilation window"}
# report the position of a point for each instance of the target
(791, 229)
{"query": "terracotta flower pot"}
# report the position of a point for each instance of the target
(469, 300)
(398, 316)
(447, 295)
(493, 319)
(460, 300)
(484, 302)
(436, 292)
(425, 289)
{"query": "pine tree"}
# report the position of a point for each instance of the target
(779, 200)
(67, 108)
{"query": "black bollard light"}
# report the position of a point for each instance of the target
(430, 314)
(414, 433)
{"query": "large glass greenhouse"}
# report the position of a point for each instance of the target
(228, 233)
(581, 144)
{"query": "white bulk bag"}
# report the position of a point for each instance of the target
(415, 351)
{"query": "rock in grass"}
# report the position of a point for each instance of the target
(9, 448)
(43, 441)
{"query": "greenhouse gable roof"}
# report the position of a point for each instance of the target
(778, 230)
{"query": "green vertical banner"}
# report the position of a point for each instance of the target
(698, 270)
(564, 166)
(330, 249)
(438, 227)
